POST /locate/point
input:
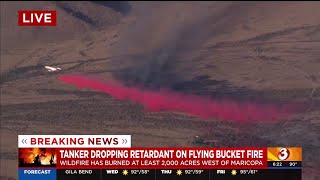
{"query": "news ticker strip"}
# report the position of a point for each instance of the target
(113, 151)
(44, 156)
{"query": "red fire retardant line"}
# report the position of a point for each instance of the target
(172, 101)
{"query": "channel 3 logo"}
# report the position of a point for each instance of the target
(283, 154)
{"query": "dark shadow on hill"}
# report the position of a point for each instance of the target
(21, 72)
(122, 7)
(77, 14)
(83, 94)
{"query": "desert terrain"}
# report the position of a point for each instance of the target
(245, 51)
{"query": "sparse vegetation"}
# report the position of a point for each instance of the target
(253, 52)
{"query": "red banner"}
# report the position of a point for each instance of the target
(162, 158)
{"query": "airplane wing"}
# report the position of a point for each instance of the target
(50, 69)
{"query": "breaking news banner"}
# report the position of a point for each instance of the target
(97, 157)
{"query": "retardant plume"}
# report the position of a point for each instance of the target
(172, 101)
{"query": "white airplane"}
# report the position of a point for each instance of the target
(52, 69)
